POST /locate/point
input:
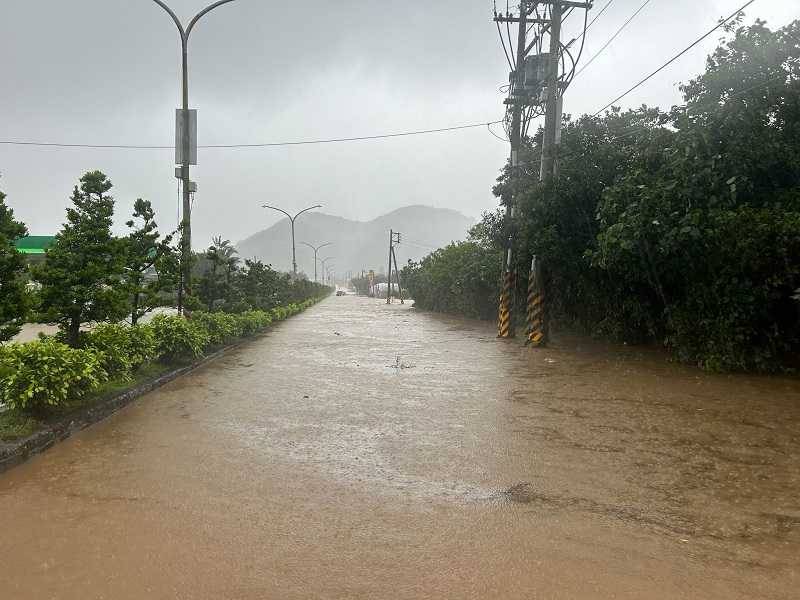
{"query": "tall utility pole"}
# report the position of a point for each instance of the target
(292, 220)
(536, 88)
(186, 146)
(552, 120)
(516, 99)
(316, 249)
(392, 242)
(397, 273)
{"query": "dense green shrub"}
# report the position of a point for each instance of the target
(178, 339)
(461, 278)
(124, 349)
(253, 321)
(279, 313)
(42, 375)
(220, 327)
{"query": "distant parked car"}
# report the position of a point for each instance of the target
(340, 292)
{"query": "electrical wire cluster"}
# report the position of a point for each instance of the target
(538, 31)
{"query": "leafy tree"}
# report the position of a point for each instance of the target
(681, 227)
(81, 276)
(460, 278)
(260, 286)
(151, 264)
(217, 283)
(12, 288)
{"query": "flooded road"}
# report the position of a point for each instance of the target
(368, 451)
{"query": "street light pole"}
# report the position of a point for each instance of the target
(186, 222)
(292, 219)
(324, 270)
(316, 249)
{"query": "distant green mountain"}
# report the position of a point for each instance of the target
(357, 245)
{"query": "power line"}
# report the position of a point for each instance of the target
(613, 37)
(597, 16)
(263, 145)
(676, 57)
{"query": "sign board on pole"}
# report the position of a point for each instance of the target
(180, 126)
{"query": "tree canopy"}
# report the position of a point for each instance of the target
(81, 276)
(12, 266)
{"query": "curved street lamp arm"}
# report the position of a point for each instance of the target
(307, 209)
(175, 18)
(202, 13)
(291, 218)
(323, 245)
(310, 246)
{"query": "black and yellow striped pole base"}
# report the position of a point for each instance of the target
(536, 332)
(504, 329)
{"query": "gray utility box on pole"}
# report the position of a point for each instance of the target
(180, 128)
(536, 73)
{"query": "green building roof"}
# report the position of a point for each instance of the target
(34, 244)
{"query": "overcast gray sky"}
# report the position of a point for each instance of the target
(106, 72)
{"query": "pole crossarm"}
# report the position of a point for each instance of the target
(499, 19)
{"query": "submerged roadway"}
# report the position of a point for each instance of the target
(361, 450)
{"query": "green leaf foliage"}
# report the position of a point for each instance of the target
(39, 376)
(150, 263)
(81, 277)
(124, 349)
(679, 227)
(13, 300)
(221, 328)
(178, 339)
(461, 278)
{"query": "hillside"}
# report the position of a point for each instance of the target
(356, 245)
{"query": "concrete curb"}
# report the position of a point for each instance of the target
(17, 452)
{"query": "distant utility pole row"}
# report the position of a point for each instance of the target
(536, 88)
(394, 238)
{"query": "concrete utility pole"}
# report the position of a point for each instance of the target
(552, 121)
(316, 249)
(504, 329)
(292, 219)
(397, 273)
(392, 242)
(534, 81)
(186, 147)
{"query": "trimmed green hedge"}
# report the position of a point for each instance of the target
(41, 375)
(45, 374)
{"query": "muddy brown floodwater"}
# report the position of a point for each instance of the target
(368, 451)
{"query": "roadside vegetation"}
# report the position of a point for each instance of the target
(680, 227)
(98, 288)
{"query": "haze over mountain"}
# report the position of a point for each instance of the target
(356, 245)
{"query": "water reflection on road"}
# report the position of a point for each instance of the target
(368, 451)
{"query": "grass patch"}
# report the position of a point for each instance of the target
(14, 426)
